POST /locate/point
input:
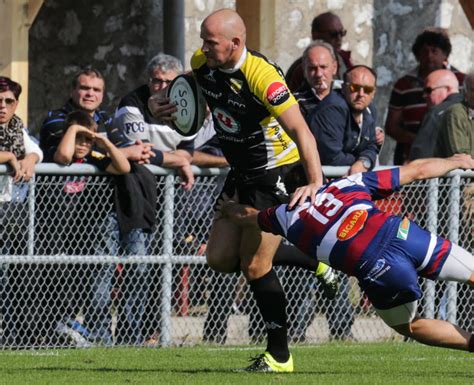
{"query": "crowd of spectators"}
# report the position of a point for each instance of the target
(429, 114)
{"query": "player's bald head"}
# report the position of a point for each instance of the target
(225, 22)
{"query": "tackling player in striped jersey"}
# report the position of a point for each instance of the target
(385, 252)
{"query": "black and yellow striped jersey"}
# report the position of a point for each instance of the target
(245, 103)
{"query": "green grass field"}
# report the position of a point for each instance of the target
(342, 363)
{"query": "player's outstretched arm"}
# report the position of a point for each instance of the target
(294, 124)
(434, 167)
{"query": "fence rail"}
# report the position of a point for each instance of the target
(67, 278)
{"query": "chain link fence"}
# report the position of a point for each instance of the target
(69, 279)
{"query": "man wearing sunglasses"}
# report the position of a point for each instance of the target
(344, 123)
(327, 27)
(441, 91)
(407, 105)
(457, 130)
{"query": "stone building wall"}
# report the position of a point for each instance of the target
(119, 38)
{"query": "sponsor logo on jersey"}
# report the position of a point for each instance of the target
(403, 229)
(379, 269)
(279, 135)
(226, 122)
(210, 75)
(236, 85)
(215, 95)
(353, 223)
(277, 93)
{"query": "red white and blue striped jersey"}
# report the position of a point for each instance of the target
(345, 226)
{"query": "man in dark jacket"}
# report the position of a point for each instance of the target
(344, 123)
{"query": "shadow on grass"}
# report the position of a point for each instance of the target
(460, 375)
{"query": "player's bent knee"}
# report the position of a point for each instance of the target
(222, 264)
(254, 268)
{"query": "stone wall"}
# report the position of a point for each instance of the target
(119, 38)
(396, 25)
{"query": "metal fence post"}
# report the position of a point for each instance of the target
(432, 226)
(167, 269)
(31, 216)
(453, 223)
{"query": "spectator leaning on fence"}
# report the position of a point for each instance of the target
(21, 153)
(86, 94)
(135, 121)
(76, 146)
(16, 147)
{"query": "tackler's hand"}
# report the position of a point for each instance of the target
(302, 193)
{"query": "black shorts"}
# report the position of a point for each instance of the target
(261, 192)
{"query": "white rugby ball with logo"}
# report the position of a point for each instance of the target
(186, 94)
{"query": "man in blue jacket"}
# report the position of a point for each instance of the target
(344, 123)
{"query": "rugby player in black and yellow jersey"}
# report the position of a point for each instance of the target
(263, 135)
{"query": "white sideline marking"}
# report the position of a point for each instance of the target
(35, 353)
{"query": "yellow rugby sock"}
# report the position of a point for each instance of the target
(322, 268)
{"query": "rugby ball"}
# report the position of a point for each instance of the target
(186, 94)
